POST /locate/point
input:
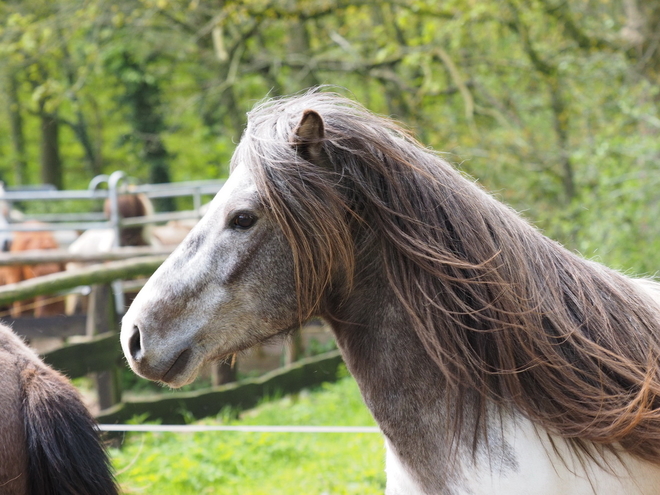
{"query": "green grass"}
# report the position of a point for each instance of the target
(263, 463)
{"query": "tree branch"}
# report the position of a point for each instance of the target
(562, 14)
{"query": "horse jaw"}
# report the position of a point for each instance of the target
(221, 291)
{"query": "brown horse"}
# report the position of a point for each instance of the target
(494, 360)
(49, 443)
(27, 241)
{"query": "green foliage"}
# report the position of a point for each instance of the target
(553, 105)
(263, 463)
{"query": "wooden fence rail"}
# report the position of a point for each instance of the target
(91, 275)
(86, 355)
(37, 256)
(48, 326)
(174, 407)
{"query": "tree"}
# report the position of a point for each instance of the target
(37, 39)
(552, 103)
(142, 95)
(15, 113)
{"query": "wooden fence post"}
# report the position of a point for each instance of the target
(101, 318)
(294, 348)
(222, 373)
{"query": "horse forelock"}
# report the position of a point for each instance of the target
(501, 309)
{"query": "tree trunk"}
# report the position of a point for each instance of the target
(548, 71)
(80, 130)
(17, 135)
(159, 172)
(142, 95)
(299, 43)
(51, 165)
(560, 117)
(80, 127)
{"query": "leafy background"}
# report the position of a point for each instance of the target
(553, 105)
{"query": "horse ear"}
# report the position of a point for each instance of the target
(308, 137)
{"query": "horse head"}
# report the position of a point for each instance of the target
(228, 286)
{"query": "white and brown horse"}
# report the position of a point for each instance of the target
(95, 241)
(494, 360)
(49, 443)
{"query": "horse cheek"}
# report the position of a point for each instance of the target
(274, 287)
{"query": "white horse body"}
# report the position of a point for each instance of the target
(540, 471)
(219, 293)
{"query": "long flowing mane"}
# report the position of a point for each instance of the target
(503, 311)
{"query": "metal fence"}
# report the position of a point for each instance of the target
(117, 183)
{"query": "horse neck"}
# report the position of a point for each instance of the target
(401, 385)
(379, 345)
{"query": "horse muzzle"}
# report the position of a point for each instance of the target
(150, 362)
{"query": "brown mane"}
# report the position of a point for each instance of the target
(502, 310)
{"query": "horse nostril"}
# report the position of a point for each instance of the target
(134, 346)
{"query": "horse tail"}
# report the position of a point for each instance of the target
(64, 448)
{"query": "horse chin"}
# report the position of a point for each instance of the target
(186, 366)
(183, 370)
(185, 377)
(180, 381)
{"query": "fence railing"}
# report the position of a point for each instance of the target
(118, 183)
(176, 408)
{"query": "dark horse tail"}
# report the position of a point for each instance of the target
(64, 448)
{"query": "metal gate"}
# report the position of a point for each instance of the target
(117, 183)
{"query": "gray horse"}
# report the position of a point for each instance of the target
(494, 360)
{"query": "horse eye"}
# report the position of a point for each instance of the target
(243, 221)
